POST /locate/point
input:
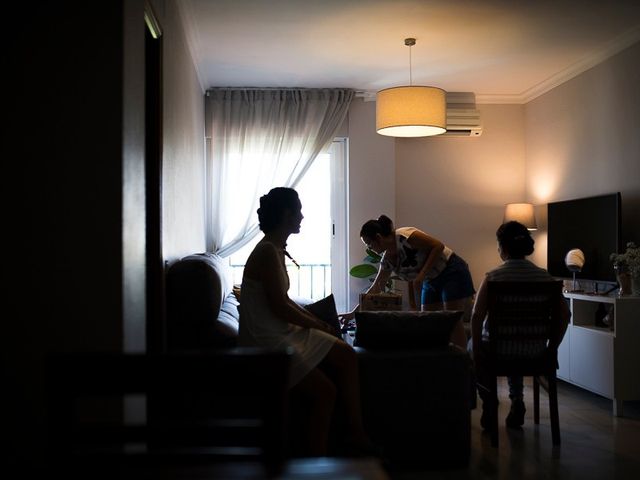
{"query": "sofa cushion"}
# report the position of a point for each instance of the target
(325, 310)
(399, 330)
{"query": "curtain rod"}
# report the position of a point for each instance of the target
(275, 88)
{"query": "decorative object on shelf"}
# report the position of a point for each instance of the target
(574, 261)
(600, 315)
(522, 213)
(411, 111)
(627, 267)
(609, 318)
(624, 280)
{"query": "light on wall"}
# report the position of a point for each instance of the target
(521, 212)
(411, 111)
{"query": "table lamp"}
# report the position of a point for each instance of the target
(523, 213)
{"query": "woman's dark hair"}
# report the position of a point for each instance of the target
(515, 239)
(383, 225)
(274, 204)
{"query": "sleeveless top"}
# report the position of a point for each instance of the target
(409, 260)
(260, 327)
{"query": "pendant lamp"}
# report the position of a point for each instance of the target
(411, 111)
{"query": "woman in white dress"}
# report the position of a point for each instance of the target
(324, 368)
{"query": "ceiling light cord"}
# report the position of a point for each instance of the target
(410, 69)
(410, 42)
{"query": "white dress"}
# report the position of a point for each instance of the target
(260, 327)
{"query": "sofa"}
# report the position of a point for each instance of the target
(415, 398)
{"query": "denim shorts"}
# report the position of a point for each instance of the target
(453, 283)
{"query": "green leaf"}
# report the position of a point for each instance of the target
(373, 255)
(363, 270)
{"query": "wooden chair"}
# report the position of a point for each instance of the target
(523, 321)
(201, 408)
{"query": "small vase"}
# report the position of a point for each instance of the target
(624, 280)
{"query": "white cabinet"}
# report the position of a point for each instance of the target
(604, 360)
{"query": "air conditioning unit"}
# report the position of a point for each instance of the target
(463, 120)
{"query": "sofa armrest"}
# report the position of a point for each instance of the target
(201, 312)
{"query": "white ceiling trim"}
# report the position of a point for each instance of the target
(621, 42)
(615, 46)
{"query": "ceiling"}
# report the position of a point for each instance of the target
(506, 51)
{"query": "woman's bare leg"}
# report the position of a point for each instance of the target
(458, 336)
(432, 307)
(320, 394)
(342, 365)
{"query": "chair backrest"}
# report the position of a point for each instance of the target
(522, 320)
(214, 406)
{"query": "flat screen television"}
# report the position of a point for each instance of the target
(592, 224)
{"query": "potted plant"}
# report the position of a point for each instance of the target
(369, 269)
(387, 299)
(627, 266)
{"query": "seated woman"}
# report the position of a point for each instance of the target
(514, 244)
(324, 369)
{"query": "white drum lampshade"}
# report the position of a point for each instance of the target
(411, 111)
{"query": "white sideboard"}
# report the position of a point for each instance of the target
(603, 360)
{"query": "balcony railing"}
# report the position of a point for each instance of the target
(311, 281)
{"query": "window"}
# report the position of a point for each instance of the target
(321, 246)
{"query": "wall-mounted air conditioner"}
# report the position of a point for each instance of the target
(463, 120)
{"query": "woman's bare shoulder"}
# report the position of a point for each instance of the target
(263, 256)
(264, 248)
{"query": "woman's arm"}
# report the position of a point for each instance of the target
(421, 241)
(562, 315)
(382, 277)
(315, 321)
(477, 318)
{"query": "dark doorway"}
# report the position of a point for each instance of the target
(153, 168)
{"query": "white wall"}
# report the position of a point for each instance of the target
(455, 188)
(183, 144)
(371, 181)
(582, 140)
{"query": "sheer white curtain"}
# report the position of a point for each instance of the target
(258, 139)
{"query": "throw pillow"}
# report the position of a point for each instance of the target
(403, 330)
(326, 311)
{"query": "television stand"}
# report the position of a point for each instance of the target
(602, 359)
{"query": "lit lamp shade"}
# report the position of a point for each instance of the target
(574, 260)
(521, 212)
(411, 111)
